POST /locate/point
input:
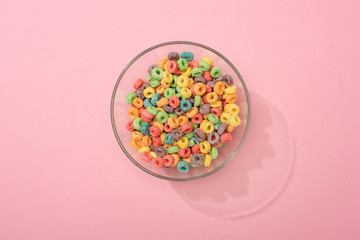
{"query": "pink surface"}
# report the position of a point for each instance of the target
(63, 176)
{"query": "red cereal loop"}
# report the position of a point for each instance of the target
(192, 89)
(168, 160)
(178, 72)
(207, 76)
(226, 137)
(145, 119)
(223, 103)
(186, 127)
(211, 67)
(216, 111)
(172, 66)
(167, 128)
(193, 64)
(184, 152)
(156, 141)
(146, 157)
(197, 119)
(158, 162)
(217, 145)
(146, 114)
(195, 149)
(208, 88)
(174, 101)
(204, 98)
(130, 126)
(138, 83)
(155, 131)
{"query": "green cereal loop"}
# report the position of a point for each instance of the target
(191, 143)
(154, 83)
(156, 73)
(173, 83)
(189, 135)
(148, 78)
(182, 64)
(197, 100)
(204, 66)
(151, 109)
(169, 92)
(197, 72)
(173, 149)
(137, 123)
(215, 72)
(172, 115)
(178, 89)
(130, 98)
(214, 152)
(220, 145)
(213, 118)
(195, 126)
(175, 76)
(162, 117)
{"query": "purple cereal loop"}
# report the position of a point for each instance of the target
(151, 67)
(144, 85)
(213, 138)
(177, 134)
(139, 93)
(211, 83)
(221, 78)
(160, 151)
(228, 79)
(192, 100)
(199, 79)
(199, 135)
(222, 128)
(168, 109)
(152, 148)
(179, 112)
(197, 159)
(204, 109)
(173, 56)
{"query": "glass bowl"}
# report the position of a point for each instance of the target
(137, 68)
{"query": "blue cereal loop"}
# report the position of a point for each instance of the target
(154, 99)
(185, 105)
(147, 102)
(145, 128)
(183, 167)
(194, 139)
(217, 126)
(187, 55)
(168, 139)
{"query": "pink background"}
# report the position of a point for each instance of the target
(63, 175)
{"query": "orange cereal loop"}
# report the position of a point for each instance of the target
(192, 112)
(162, 63)
(159, 125)
(164, 84)
(173, 122)
(191, 82)
(231, 98)
(136, 144)
(133, 112)
(136, 135)
(160, 89)
(174, 143)
(162, 102)
(219, 88)
(146, 141)
(187, 160)
(182, 120)
(176, 159)
(201, 102)
(199, 89)
(205, 116)
(230, 128)
(212, 97)
(138, 102)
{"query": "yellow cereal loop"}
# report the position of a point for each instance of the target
(183, 142)
(160, 109)
(207, 126)
(187, 72)
(225, 117)
(176, 159)
(144, 149)
(207, 60)
(232, 109)
(162, 63)
(153, 154)
(230, 90)
(162, 137)
(182, 81)
(217, 104)
(224, 96)
(160, 89)
(136, 135)
(165, 65)
(208, 160)
(235, 120)
(205, 147)
(167, 76)
(185, 92)
(149, 92)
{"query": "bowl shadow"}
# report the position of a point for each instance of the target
(255, 177)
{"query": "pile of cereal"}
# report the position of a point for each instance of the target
(183, 113)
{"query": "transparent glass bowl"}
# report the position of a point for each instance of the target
(137, 68)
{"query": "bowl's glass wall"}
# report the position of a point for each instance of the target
(138, 69)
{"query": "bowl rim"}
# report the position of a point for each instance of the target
(113, 120)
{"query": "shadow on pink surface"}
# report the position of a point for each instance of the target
(255, 177)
